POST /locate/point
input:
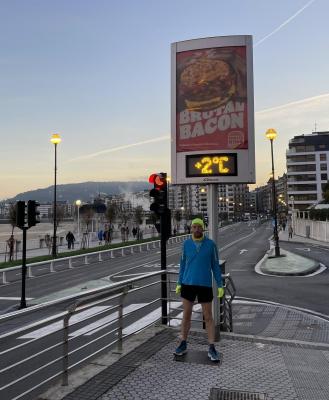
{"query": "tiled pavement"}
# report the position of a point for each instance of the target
(274, 350)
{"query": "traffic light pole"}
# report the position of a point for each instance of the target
(164, 311)
(23, 298)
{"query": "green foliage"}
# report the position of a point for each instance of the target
(138, 215)
(320, 215)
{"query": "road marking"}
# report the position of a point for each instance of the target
(195, 313)
(46, 330)
(303, 248)
(101, 323)
(148, 319)
(243, 251)
(15, 298)
(129, 275)
(106, 321)
(42, 269)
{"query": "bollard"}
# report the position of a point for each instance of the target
(70, 263)
(29, 272)
(100, 257)
(86, 260)
(112, 254)
(52, 266)
(4, 280)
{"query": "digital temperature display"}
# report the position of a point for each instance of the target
(222, 164)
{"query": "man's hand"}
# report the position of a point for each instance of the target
(220, 292)
(178, 288)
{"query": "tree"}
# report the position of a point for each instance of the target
(138, 215)
(111, 212)
(87, 214)
(124, 213)
(325, 193)
(12, 217)
(59, 214)
(177, 216)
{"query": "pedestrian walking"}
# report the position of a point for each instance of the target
(134, 232)
(199, 263)
(70, 240)
(11, 245)
(100, 237)
(290, 232)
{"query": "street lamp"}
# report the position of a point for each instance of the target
(271, 135)
(55, 140)
(292, 199)
(78, 204)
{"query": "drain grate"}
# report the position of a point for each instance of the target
(222, 394)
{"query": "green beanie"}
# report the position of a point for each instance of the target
(198, 221)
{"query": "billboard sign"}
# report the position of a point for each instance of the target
(212, 111)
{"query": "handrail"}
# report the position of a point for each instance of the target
(56, 364)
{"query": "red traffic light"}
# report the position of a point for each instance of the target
(158, 180)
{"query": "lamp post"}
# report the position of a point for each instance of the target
(78, 204)
(271, 135)
(292, 212)
(55, 140)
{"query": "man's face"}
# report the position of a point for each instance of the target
(197, 231)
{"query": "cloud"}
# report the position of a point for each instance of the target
(291, 119)
(119, 148)
(286, 22)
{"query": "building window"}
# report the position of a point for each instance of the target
(324, 177)
(323, 157)
(305, 197)
(323, 167)
(301, 188)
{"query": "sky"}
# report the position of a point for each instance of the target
(98, 73)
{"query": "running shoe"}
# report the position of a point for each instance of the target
(181, 349)
(213, 353)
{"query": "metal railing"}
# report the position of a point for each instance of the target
(85, 325)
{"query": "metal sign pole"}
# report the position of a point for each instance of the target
(212, 192)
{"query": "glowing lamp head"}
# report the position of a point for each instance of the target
(158, 181)
(55, 138)
(271, 134)
(78, 203)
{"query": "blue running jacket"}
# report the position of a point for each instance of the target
(198, 263)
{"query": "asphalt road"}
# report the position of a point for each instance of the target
(241, 245)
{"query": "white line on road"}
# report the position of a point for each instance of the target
(14, 298)
(148, 319)
(46, 330)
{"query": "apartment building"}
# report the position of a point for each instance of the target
(307, 169)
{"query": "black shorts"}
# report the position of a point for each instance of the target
(203, 293)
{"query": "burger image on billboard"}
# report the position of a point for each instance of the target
(206, 83)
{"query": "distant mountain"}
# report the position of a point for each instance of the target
(85, 191)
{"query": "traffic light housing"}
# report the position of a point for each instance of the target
(20, 214)
(32, 213)
(159, 193)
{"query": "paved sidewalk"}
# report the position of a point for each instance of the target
(284, 237)
(289, 263)
(276, 351)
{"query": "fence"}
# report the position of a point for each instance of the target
(303, 226)
(86, 325)
(97, 256)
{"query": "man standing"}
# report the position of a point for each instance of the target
(199, 263)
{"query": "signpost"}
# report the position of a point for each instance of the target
(212, 117)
